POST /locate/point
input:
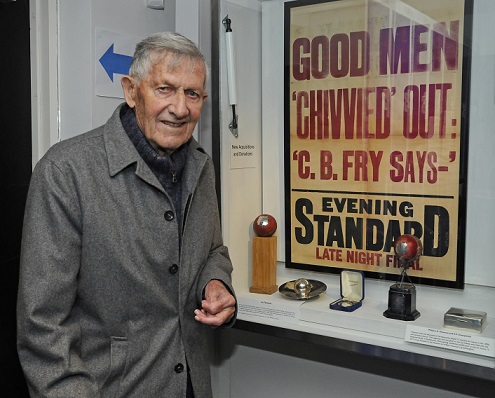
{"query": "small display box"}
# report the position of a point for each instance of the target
(459, 318)
(351, 291)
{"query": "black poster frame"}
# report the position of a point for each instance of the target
(337, 267)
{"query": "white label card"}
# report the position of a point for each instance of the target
(452, 340)
(268, 309)
(243, 154)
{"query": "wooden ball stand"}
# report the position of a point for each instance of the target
(264, 265)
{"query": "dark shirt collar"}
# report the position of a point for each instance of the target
(167, 168)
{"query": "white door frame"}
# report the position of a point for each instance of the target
(44, 76)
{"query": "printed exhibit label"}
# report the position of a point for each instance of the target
(268, 309)
(452, 340)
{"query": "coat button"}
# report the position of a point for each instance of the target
(169, 215)
(173, 269)
(179, 368)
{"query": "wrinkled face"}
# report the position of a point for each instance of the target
(168, 101)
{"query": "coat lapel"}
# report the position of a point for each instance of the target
(122, 153)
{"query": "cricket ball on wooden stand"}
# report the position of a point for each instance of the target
(264, 225)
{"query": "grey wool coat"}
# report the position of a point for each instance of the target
(106, 297)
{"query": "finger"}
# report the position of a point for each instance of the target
(210, 320)
(216, 307)
(214, 319)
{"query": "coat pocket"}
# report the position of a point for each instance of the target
(118, 355)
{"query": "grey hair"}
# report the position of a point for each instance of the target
(164, 43)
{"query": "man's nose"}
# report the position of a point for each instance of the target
(179, 105)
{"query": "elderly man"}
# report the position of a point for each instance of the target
(123, 268)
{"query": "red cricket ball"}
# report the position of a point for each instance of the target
(408, 247)
(264, 225)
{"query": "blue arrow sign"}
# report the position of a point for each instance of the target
(115, 63)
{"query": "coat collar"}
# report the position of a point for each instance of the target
(119, 148)
(121, 154)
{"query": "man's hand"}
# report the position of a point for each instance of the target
(218, 306)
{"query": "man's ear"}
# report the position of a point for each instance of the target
(129, 87)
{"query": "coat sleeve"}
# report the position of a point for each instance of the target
(218, 265)
(47, 333)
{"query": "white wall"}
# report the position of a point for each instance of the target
(241, 188)
(80, 108)
(481, 164)
(65, 102)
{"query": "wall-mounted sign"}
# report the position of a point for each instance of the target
(113, 55)
(376, 135)
(243, 154)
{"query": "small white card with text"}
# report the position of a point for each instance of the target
(452, 340)
(269, 309)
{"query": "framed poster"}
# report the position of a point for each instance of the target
(376, 134)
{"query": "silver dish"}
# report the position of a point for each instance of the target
(300, 290)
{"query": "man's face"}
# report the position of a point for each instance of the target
(168, 101)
